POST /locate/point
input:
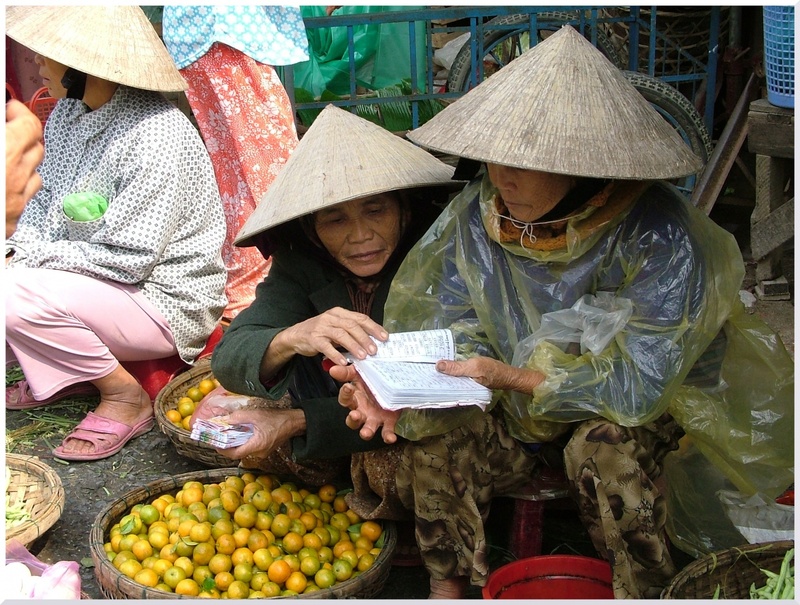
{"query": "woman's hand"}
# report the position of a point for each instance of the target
(271, 429)
(493, 374)
(365, 413)
(334, 328)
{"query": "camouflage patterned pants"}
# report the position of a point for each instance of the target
(449, 481)
(614, 470)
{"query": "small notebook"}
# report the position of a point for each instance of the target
(402, 374)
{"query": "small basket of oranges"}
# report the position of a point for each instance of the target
(175, 405)
(230, 534)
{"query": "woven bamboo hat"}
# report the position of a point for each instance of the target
(342, 157)
(561, 107)
(115, 43)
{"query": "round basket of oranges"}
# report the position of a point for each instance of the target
(174, 406)
(229, 534)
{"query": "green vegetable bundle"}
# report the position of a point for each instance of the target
(779, 585)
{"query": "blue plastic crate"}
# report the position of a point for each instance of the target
(779, 54)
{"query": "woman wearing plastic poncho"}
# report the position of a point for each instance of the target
(600, 307)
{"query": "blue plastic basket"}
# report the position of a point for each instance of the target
(779, 54)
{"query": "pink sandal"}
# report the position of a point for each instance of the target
(19, 396)
(108, 436)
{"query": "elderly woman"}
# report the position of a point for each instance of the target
(339, 218)
(600, 307)
(117, 258)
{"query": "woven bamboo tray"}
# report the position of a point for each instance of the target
(167, 399)
(733, 570)
(115, 585)
(43, 496)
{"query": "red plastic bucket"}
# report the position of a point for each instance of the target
(551, 577)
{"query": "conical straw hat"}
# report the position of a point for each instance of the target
(115, 43)
(561, 107)
(342, 157)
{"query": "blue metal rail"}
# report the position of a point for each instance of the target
(695, 69)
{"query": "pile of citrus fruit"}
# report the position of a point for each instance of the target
(185, 406)
(245, 537)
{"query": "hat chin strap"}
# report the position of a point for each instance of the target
(75, 83)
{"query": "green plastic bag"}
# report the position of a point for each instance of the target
(85, 206)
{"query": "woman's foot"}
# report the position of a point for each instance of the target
(451, 588)
(123, 400)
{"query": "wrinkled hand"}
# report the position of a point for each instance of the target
(271, 429)
(493, 374)
(365, 413)
(334, 328)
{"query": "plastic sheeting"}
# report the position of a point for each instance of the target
(681, 273)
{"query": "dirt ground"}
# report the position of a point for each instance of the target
(91, 487)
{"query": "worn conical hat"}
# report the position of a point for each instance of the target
(561, 107)
(342, 157)
(115, 43)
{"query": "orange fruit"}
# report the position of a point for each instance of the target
(351, 556)
(174, 416)
(263, 521)
(186, 407)
(240, 536)
(230, 500)
(342, 546)
(325, 554)
(142, 549)
(238, 590)
(342, 570)
(309, 520)
(327, 493)
(186, 423)
(192, 494)
(243, 572)
(258, 580)
(130, 567)
(202, 553)
(339, 504)
(245, 515)
(174, 575)
(279, 571)
(262, 559)
(365, 562)
(187, 586)
(200, 532)
(353, 516)
(363, 543)
(324, 578)
(281, 495)
(149, 514)
(210, 492)
(371, 530)
(185, 527)
(195, 394)
(310, 566)
(312, 501)
(313, 541)
(146, 577)
(206, 386)
(323, 534)
(271, 589)
(235, 482)
(222, 527)
(242, 555)
(340, 521)
(257, 539)
(293, 561)
(168, 552)
(261, 499)
(223, 580)
(225, 544)
(292, 542)
(280, 525)
(296, 581)
(218, 563)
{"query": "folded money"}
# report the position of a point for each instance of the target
(220, 434)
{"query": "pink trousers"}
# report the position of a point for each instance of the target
(64, 328)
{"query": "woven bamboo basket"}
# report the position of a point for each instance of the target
(733, 570)
(39, 487)
(167, 399)
(115, 585)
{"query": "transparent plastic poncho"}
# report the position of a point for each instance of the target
(671, 277)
